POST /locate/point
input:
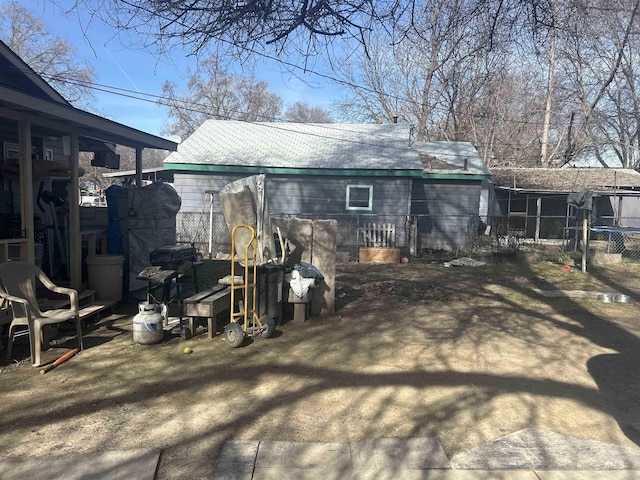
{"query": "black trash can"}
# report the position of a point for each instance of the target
(270, 278)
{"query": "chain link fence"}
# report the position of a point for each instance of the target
(424, 235)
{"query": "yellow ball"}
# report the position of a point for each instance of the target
(187, 350)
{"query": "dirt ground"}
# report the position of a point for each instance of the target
(465, 354)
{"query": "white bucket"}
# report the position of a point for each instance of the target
(147, 324)
(105, 276)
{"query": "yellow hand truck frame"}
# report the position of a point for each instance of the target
(244, 319)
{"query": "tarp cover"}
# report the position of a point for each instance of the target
(582, 200)
(244, 202)
(149, 219)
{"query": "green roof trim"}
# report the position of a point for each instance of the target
(455, 176)
(342, 172)
(185, 167)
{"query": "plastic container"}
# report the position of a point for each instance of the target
(105, 274)
(147, 324)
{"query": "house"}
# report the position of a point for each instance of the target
(351, 172)
(534, 200)
(42, 136)
(450, 199)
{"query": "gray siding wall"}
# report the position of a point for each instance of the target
(446, 211)
(300, 195)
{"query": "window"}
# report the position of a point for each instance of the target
(360, 197)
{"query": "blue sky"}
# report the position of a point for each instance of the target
(120, 66)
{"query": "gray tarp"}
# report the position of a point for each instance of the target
(151, 223)
(244, 202)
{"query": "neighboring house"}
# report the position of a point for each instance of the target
(148, 175)
(354, 173)
(535, 199)
(450, 199)
(41, 136)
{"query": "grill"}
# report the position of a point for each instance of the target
(172, 257)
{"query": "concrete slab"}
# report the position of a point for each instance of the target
(398, 454)
(233, 472)
(587, 474)
(236, 460)
(140, 464)
(536, 449)
(304, 455)
(315, 474)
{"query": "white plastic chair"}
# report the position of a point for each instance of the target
(18, 287)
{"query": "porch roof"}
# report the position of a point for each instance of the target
(25, 96)
(565, 180)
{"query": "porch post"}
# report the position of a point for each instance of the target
(139, 167)
(75, 241)
(26, 191)
(538, 210)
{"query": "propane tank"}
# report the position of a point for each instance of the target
(147, 324)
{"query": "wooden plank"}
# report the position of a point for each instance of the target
(203, 294)
(219, 301)
(84, 296)
(94, 308)
(379, 255)
(206, 306)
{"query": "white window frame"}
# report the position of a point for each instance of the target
(350, 208)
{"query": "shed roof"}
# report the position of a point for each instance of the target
(566, 179)
(451, 157)
(298, 146)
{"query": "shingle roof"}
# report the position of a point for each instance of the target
(450, 157)
(566, 179)
(297, 145)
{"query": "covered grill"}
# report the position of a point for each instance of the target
(173, 257)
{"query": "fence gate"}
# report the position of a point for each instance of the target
(378, 234)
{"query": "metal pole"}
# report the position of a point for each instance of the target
(584, 241)
(211, 227)
(538, 210)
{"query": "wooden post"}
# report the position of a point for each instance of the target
(139, 167)
(413, 236)
(26, 191)
(74, 255)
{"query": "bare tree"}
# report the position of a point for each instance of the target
(534, 82)
(600, 68)
(425, 79)
(301, 112)
(308, 25)
(213, 92)
(50, 56)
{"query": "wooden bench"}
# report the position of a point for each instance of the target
(94, 307)
(207, 304)
(84, 297)
(88, 305)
